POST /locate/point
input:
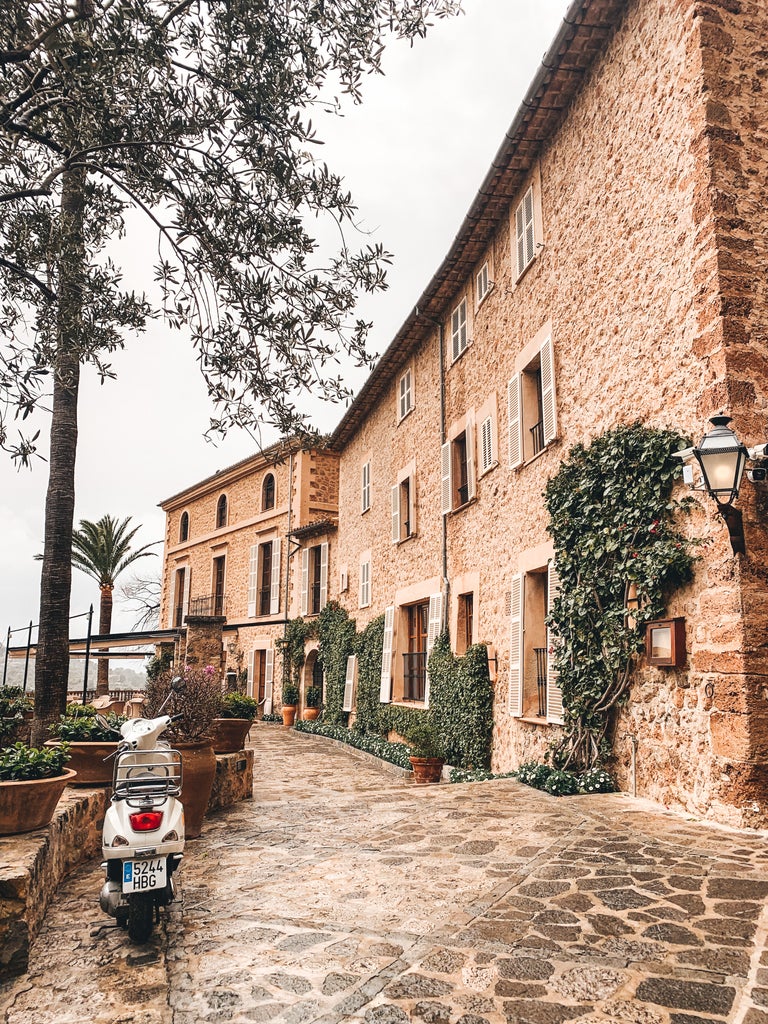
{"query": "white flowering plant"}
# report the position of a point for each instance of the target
(597, 780)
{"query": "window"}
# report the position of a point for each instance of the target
(268, 492)
(221, 512)
(415, 658)
(466, 623)
(365, 487)
(343, 579)
(525, 237)
(179, 597)
(314, 579)
(533, 689)
(261, 668)
(365, 584)
(219, 567)
(531, 407)
(482, 284)
(458, 470)
(419, 626)
(403, 514)
(405, 395)
(459, 329)
(184, 527)
(264, 578)
(487, 453)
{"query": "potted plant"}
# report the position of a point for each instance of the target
(195, 696)
(290, 704)
(90, 743)
(312, 699)
(427, 757)
(31, 783)
(16, 712)
(234, 722)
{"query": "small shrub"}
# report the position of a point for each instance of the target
(290, 695)
(21, 763)
(272, 718)
(424, 741)
(597, 780)
(533, 773)
(198, 703)
(477, 775)
(313, 696)
(560, 783)
(237, 705)
(85, 728)
(395, 753)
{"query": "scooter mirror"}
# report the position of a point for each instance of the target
(178, 685)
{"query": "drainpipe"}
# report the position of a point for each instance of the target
(288, 554)
(444, 533)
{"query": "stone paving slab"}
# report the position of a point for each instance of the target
(343, 893)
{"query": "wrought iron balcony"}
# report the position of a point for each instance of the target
(208, 604)
(414, 675)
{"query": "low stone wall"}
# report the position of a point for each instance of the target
(32, 865)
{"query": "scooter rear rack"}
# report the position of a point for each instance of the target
(143, 777)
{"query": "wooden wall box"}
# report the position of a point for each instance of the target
(665, 642)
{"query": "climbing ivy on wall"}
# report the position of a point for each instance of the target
(297, 632)
(614, 528)
(336, 633)
(461, 703)
(369, 646)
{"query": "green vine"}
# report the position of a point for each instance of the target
(613, 525)
(368, 647)
(336, 632)
(461, 704)
(297, 632)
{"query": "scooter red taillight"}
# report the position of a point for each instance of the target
(146, 821)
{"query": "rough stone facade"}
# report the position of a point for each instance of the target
(643, 296)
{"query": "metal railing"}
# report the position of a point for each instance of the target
(208, 604)
(541, 679)
(414, 675)
(537, 437)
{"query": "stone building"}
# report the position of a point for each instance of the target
(246, 550)
(612, 268)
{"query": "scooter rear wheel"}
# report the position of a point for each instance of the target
(141, 917)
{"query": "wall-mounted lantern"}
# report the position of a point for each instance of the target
(722, 458)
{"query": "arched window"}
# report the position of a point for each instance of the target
(268, 492)
(221, 512)
(184, 526)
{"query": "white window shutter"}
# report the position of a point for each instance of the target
(305, 581)
(554, 693)
(253, 566)
(395, 513)
(274, 596)
(520, 239)
(364, 597)
(185, 599)
(323, 575)
(269, 679)
(486, 444)
(249, 684)
(412, 503)
(385, 693)
(515, 695)
(515, 421)
(172, 609)
(434, 628)
(549, 411)
(471, 461)
(365, 496)
(349, 683)
(446, 478)
(528, 218)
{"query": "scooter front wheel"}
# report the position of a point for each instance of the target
(141, 917)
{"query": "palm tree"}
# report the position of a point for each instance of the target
(103, 550)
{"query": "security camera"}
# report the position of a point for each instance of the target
(760, 451)
(757, 475)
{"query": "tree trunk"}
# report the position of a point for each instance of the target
(105, 626)
(52, 662)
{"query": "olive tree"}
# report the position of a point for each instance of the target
(195, 114)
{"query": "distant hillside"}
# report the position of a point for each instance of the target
(120, 678)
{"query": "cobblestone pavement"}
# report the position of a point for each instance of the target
(343, 893)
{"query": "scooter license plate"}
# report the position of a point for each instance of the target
(143, 875)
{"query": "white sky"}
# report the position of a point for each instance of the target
(413, 155)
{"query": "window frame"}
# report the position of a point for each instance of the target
(535, 363)
(459, 330)
(264, 506)
(184, 527)
(462, 439)
(222, 511)
(405, 394)
(525, 225)
(482, 293)
(364, 592)
(365, 487)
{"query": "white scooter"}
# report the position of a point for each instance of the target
(143, 839)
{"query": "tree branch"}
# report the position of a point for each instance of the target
(50, 295)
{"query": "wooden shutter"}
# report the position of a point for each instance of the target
(554, 693)
(269, 679)
(549, 411)
(515, 695)
(305, 581)
(274, 596)
(486, 444)
(395, 492)
(323, 575)
(515, 424)
(249, 684)
(446, 478)
(434, 628)
(185, 598)
(385, 693)
(253, 573)
(471, 461)
(349, 683)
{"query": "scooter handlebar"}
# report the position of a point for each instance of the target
(176, 718)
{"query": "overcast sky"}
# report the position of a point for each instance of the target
(413, 155)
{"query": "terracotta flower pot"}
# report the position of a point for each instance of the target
(426, 769)
(310, 714)
(198, 765)
(228, 734)
(27, 805)
(87, 759)
(289, 714)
